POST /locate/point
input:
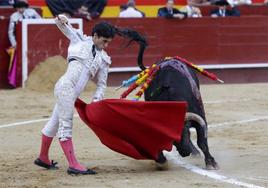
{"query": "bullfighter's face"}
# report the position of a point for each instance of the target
(101, 42)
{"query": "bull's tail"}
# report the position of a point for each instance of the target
(137, 37)
(194, 117)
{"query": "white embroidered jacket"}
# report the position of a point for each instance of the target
(80, 48)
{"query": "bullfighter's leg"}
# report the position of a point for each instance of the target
(48, 132)
(66, 95)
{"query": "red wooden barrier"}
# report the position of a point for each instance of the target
(203, 41)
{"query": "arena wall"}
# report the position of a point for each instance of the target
(235, 48)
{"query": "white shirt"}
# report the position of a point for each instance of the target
(192, 12)
(18, 17)
(222, 12)
(130, 12)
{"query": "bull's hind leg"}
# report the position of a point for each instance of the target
(202, 143)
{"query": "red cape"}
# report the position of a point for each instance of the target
(136, 129)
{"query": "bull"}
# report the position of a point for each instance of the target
(175, 81)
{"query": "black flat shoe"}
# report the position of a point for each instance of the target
(52, 166)
(73, 171)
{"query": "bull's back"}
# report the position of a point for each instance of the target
(170, 84)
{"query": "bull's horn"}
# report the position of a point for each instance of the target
(194, 117)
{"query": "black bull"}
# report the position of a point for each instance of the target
(177, 82)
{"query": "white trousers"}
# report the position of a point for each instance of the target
(66, 91)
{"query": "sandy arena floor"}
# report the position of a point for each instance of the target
(238, 137)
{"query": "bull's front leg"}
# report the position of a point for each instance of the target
(202, 143)
(161, 162)
(184, 146)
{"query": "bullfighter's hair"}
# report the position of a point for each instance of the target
(107, 30)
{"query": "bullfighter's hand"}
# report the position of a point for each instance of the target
(62, 18)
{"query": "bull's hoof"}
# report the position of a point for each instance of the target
(161, 158)
(211, 164)
(161, 166)
(161, 163)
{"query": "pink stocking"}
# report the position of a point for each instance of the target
(67, 147)
(45, 145)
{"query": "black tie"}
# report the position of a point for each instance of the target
(93, 51)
